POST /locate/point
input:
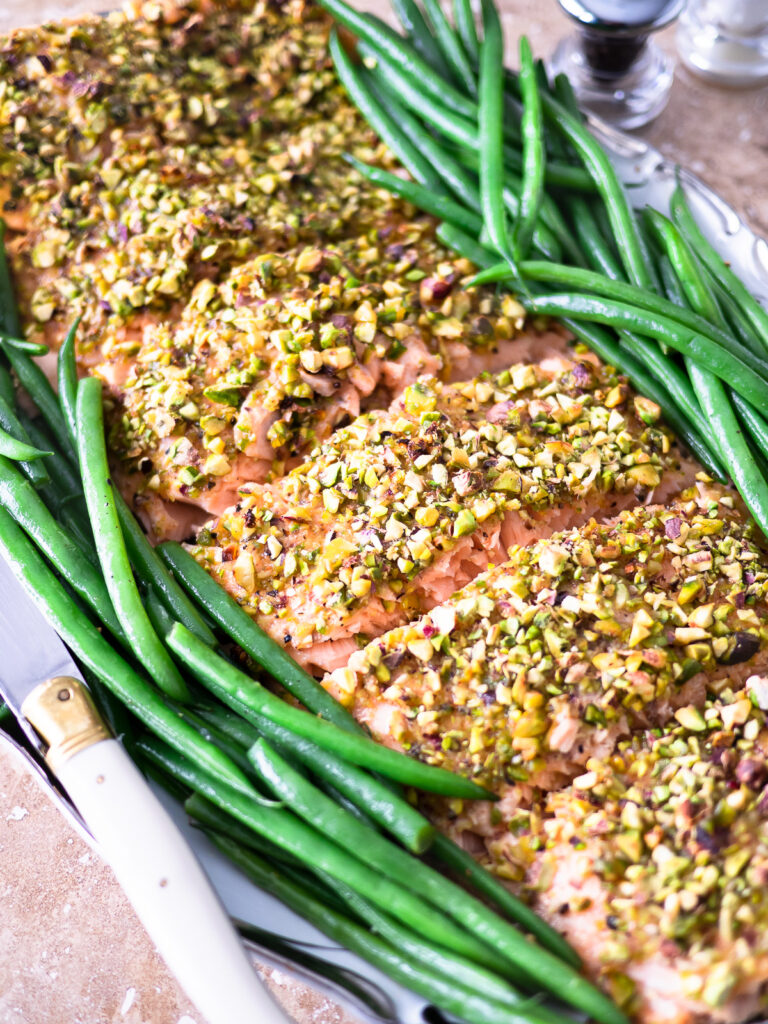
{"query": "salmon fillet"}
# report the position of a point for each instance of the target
(544, 661)
(195, 208)
(258, 369)
(147, 152)
(393, 513)
(654, 863)
(609, 684)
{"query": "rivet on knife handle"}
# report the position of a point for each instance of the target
(62, 711)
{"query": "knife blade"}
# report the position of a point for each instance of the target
(44, 689)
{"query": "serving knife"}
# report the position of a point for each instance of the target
(164, 881)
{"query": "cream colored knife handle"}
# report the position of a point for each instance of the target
(154, 865)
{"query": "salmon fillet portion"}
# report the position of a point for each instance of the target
(176, 178)
(391, 514)
(654, 862)
(542, 663)
(258, 369)
(610, 684)
(143, 153)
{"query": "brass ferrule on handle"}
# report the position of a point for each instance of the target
(62, 711)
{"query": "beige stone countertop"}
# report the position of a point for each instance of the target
(71, 948)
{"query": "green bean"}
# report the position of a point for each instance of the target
(438, 204)
(31, 377)
(237, 722)
(536, 962)
(20, 499)
(230, 723)
(451, 47)
(669, 376)
(467, 869)
(678, 381)
(8, 309)
(597, 249)
(110, 543)
(534, 156)
(463, 971)
(141, 553)
(64, 477)
(90, 647)
(7, 390)
(734, 448)
(667, 372)
(153, 572)
(578, 277)
(14, 432)
(346, 805)
(552, 219)
(402, 56)
(32, 348)
(37, 386)
(684, 219)
(379, 119)
(240, 627)
(464, 19)
(372, 795)
(647, 244)
(490, 120)
(696, 293)
(588, 280)
(566, 96)
(234, 750)
(463, 130)
(726, 365)
(5, 714)
(230, 684)
(66, 372)
(212, 818)
(314, 848)
(467, 246)
(449, 996)
(410, 17)
(672, 287)
(736, 319)
(753, 420)
(513, 116)
(379, 854)
(117, 716)
(551, 235)
(685, 286)
(678, 401)
(389, 810)
(160, 618)
(454, 174)
(610, 188)
(18, 451)
(64, 495)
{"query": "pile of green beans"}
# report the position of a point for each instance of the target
(303, 799)
(529, 195)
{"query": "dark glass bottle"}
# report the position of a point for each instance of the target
(616, 71)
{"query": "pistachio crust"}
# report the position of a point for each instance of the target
(381, 502)
(545, 660)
